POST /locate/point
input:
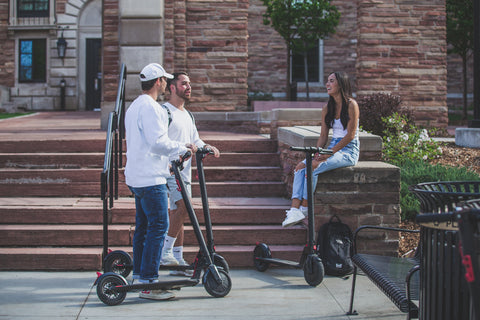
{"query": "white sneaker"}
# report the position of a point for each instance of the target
(168, 259)
(157, 294)
(185, 273)
(294, 216)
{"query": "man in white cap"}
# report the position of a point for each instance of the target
(149, 151)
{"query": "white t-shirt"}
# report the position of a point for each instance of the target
(149, 149)
(183, 129)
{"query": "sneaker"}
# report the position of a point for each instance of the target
(184, 273)
(157, 294)
(294, 216)
(168, 259)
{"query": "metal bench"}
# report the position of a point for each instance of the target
(396, 277)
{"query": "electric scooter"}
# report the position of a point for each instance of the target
(112, 288)
(120, 262)
(310, 262)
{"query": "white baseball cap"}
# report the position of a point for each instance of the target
(153, 71)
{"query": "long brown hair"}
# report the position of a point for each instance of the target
(346, 94)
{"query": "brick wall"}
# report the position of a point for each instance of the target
(267, 50)
(405, 54)
(208, 39)
(7, 58)
(110, 44)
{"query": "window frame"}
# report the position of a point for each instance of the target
(33, 13)
(34, 67)
(321, 81)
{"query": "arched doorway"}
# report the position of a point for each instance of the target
(89, 56)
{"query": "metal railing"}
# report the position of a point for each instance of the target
(113, 155)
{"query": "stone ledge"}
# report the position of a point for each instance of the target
(307, 136)
(467, 137)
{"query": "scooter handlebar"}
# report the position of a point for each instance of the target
(312, 150)
(205, 150)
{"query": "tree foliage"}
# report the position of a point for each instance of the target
(300, 23)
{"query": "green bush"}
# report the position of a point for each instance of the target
(416, 171)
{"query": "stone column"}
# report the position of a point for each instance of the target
(136, 38)
(402, 50)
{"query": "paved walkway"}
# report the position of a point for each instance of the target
(273, 294)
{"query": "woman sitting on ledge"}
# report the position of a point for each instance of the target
(341, 114)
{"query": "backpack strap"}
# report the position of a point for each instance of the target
(170, 115)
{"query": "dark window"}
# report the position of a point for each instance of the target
(33, 8)
(33, 57)
(298, 74)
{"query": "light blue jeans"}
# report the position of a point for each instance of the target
(151, 226)
(348, 156)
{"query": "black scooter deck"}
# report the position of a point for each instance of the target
(280, 262)
(162, 285)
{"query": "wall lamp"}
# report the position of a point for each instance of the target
(62, 44)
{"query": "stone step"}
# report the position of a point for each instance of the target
(67, 188)
(65, 176)
(91, 258)
(228, 211)
(69, 160)
(35, 235)
(228, 143)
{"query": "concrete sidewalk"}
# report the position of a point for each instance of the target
(274, 294)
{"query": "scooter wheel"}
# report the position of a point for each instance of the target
(118, 262)
(313, 270)
(105, 292)
(220, 261)
(214, 288)
(261, 251)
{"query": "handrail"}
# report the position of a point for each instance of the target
(113, 159)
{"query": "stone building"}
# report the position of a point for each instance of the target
(395, 46)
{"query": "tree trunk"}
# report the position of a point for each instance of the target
(305, 68)
(465, 87)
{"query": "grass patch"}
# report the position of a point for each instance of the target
(13, 115)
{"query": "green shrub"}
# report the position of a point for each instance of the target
(416, 171)
(377, 106)
(403, 141)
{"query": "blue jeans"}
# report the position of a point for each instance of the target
(151, 226)
(348, 156)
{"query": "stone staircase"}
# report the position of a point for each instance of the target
(51, 212)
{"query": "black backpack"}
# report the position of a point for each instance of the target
(335, 247)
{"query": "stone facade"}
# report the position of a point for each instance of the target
(384, 45)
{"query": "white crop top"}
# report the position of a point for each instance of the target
(338, 131)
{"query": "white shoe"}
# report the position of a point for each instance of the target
(185, 273)
(157, 294)
(168, 259)
(294, 216)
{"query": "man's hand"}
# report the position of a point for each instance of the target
(193, 148)
(216, 152)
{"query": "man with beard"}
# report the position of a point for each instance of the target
(182, 129)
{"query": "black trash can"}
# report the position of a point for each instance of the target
(444, 292)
